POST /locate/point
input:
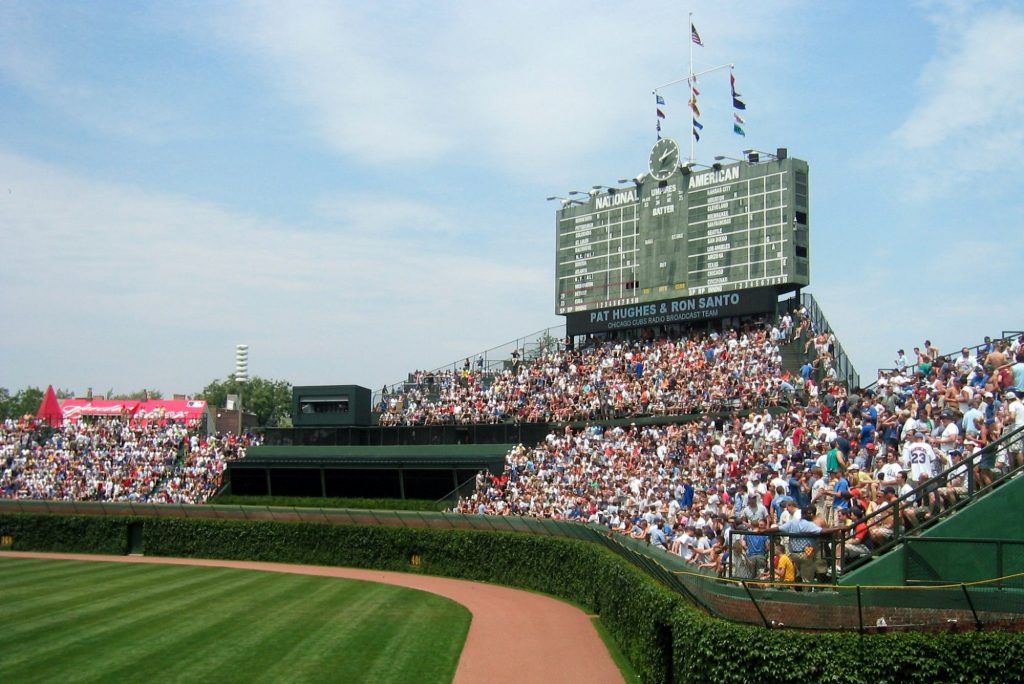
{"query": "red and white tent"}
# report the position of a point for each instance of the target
(49, 411)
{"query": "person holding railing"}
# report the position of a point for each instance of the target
(1015, 411)
(925, 464)
(881, 513)
(857, 543)
(802, 547)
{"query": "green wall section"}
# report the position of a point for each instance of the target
(994, 516)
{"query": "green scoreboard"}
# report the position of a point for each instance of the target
(681, 237)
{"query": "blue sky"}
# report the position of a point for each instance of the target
(357, 190)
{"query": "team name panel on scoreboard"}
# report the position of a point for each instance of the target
(738, 227)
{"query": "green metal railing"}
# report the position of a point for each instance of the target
(974, 489)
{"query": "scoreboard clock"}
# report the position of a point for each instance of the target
(685, 232)
(664, 159)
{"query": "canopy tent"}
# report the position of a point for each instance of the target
(49, 411)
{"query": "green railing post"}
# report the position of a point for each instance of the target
(970, 604)
(756, 606)
(860, 612)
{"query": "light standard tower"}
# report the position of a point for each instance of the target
(241, 375)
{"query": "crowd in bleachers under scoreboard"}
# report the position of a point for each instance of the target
(739, 369)
(838, 455)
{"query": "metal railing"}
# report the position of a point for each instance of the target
(488, 362)
(1006, 336)
(911, 502)
(844, 367)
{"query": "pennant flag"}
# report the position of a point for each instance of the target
(732, 84)
(738, 104)
(696, 135)
(695, 91)
(661, 114)
(738, 131)
(739, 119)
(693, 106)
(697, 124)
(657, 125)
(659, 99)
(694, 36)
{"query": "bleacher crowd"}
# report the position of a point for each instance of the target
(113, 459)
(824, 461)
(686, 438)
(738, 369)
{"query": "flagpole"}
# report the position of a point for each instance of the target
(693, 142)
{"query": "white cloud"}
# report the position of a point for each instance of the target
(377, 214)
(119, 287)
(973, 86)
(37, 59)
(534, 89)
(969, 109)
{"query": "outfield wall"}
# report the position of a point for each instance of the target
(664, 637)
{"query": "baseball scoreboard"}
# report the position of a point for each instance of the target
(683, 239)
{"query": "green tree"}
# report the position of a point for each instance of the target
(25, 401)
(138, 395)
(270, 400)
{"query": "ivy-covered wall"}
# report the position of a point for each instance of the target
(665, 638)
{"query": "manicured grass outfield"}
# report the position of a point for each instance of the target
(72, 621)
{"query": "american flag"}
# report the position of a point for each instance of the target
(694, 36)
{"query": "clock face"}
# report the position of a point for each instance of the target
(664, 159)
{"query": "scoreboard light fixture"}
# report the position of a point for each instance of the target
(754, 156)
(566, 202)
(720, 157)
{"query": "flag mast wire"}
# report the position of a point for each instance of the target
(691, 79)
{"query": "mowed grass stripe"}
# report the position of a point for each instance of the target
(334, 614)
(235, 625)
(247, 627)
(67, 643)
(122, 596)
(430, 658)
(77, 589)
(213, 637)
(379, 636)
(24, 575)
